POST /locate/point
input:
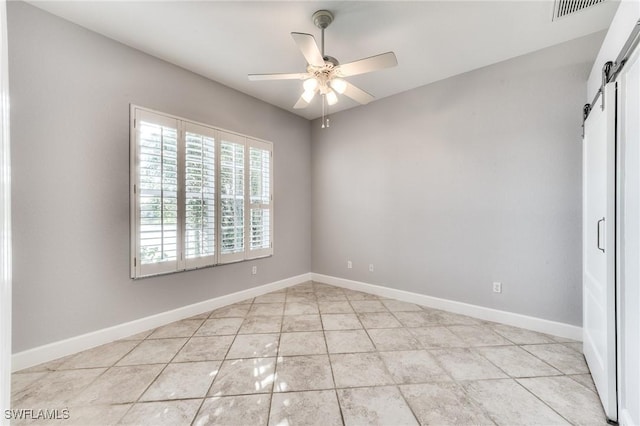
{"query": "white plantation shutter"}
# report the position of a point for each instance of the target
(260, 199)
(232, 197)
(200, 196)
(158, 242)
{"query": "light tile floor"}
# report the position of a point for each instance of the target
(318, 354)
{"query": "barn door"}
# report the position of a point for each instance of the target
(598, 239)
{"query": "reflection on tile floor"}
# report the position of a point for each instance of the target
(318, 354)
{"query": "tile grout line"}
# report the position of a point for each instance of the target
(333, 377)
(106, 368)
(121, 358)
(275, 367)
(543, 402)
(221, 363)
(435, 359)
(514, 379)
(384, 364)
(137, 401)
(548, 363)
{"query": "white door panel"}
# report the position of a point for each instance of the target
(599, 249)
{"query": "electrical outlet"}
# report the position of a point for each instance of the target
(497, 287)
(254, 270)
(371, 267)
(349, 264)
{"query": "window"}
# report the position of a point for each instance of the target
(200, 196)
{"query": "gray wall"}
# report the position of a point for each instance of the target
(70, 94)
(444, 189)
(470, 180)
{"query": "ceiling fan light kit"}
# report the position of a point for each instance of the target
(339, 85)
(324, 74)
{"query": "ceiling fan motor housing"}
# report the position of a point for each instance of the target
(322, 19)
(330, 60)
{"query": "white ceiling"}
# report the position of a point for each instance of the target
(433, 40)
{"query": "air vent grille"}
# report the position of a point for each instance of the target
(563, 8)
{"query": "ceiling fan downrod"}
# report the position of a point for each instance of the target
(322, 19)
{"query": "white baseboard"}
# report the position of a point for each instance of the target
(72, 345)
(517, 320)
(51, 351)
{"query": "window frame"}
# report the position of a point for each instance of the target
(218, 258)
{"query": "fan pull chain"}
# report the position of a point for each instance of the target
(322, 112)
(325, 120)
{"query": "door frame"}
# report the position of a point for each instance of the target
(628, 344)
(5, 222)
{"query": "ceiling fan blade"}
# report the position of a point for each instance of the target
(283, 76)
(357, 94)
(373, 63)
(309, 48)
(301, 104)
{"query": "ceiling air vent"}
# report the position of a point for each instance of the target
(562, 8)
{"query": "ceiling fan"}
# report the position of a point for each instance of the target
(325, 75)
